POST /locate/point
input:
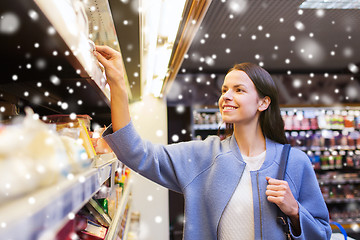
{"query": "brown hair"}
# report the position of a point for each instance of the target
(271, 122)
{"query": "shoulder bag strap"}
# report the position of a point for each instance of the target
(282, 218)
(283, 162)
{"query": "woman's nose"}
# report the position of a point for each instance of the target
(228, 95)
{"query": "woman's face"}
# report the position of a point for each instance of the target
(239, 101)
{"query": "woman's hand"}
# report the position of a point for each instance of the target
(113, 64)
(278, 192)
(115, 74)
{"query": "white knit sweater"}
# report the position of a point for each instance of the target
(237, 221)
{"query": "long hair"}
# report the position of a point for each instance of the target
(271, 122)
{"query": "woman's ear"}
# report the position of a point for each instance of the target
(264, 103)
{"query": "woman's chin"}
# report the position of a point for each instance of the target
(227, 121)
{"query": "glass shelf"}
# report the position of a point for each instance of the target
(43, 212)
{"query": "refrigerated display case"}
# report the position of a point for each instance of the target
(47, 64)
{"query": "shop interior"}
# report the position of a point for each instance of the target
(176, 54)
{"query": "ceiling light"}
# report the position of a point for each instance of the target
(330, 4)
(159, 23)
(167, 30)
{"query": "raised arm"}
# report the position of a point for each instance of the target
(114, 70)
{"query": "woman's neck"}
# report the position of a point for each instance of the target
(250, 139)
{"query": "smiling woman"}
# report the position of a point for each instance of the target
(240, 170)
(255, 85)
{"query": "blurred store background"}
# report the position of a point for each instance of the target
(176, 54)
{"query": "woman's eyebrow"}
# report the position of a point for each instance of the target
(240, 85)
(235, 86)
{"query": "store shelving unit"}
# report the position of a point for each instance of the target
(206, 121)
(48, 60)
(119, 215)
(331, 138)
(47, 64)
(333, 146)
(43, 212)
(127, 226)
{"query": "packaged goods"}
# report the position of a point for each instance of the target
(86, 141)
(98, 212)
(68, 120)
(32, 155)
(100, 145)
(76, 126)
(77, 155)
(94, 231)
(88, 229)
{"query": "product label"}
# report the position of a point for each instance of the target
(95, 229)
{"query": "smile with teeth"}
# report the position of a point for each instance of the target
(229, 108)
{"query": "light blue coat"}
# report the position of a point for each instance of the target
(208, 172)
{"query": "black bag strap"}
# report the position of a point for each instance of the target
(283, 162)
(281, 217)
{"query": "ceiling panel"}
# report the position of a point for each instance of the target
(308, 52)
(276, 33)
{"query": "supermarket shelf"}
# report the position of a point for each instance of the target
(40, 214)
(342, 200)
(52, 59)
(116, 221)
(340, 107)
(207, 110)
(127, 224)
(214, 126)
(77, 40)
(327, 149)
(346, 223)
(339, 181)
(349, 129)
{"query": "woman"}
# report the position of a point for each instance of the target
(229, 186)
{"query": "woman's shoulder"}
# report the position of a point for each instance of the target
(297, 157)
(299, 161)
(213, 145)
(294, 152)
(212, 141)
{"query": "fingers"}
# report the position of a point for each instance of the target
(282, 187)
(275, 188)
(274, 181)
(105, 50)
(279, 192)
(277, 200)
(100, 58)
(275, 196)
(274, 192)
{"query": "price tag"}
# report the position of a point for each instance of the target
(21, 230)
(105, 173)
(97, 180)
(87, 188)
(77, 196)
(53, 212)
(51, 215)
(67, 204)
(94, 185)
(102, 175)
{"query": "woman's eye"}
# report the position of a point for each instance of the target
(239, 90)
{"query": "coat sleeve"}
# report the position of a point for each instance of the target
(313, 212)
(172, 166)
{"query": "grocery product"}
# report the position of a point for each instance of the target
(32, 155)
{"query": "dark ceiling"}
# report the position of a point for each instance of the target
(313, 55)
(277, 34)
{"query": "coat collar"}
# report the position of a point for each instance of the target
(271, 151)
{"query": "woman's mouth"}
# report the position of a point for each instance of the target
(229, 108)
